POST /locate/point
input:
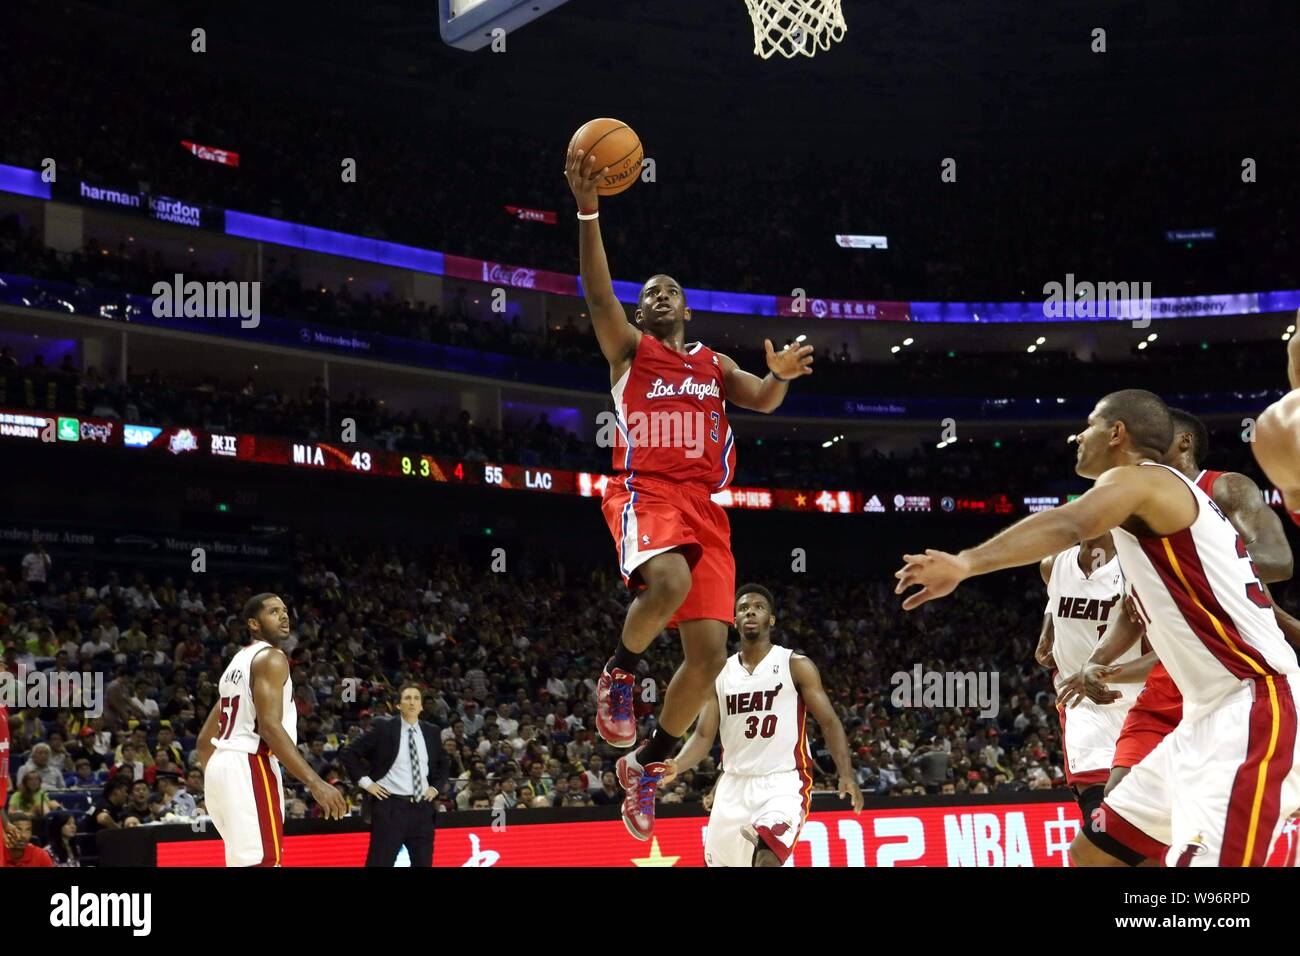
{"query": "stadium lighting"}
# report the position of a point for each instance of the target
(1291, 329)
(896, 349)
(1152, 337)
(1040, 340)
(908, 341)
(827, 444)
(1032, 348)
(1142, 345)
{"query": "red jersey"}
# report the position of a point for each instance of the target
(4, 755)
(671, 410)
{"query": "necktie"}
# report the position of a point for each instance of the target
(417, 787)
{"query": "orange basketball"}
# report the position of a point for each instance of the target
(617, 146)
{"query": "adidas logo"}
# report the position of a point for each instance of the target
(874, 506)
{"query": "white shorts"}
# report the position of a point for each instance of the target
(1218, 790)
(752, 812)
(1090, 732)
(244, 795)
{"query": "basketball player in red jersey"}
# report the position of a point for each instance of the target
(1159, 707)
(673, 542)
(1277, 435)
(1217, 790)
(251, 731)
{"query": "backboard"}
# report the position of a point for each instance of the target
(468, 24)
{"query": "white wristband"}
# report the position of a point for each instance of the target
(588, 215)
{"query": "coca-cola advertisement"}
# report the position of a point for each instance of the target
(517, 277)
(213, 154)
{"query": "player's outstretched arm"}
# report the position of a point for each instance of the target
(618, 339)
(808, 681)
(766, 394)
(270, 672)
(700, 743)
(207, 734)
(1259, 526)
(1115, 496)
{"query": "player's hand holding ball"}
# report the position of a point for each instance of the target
(793, 361)
(583, 176)
(938, 573)
(332, 804)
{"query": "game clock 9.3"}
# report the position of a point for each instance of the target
(424, 466)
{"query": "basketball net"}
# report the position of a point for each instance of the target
(790, 27)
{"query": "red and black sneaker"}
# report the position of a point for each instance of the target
(615, 719)
(641, 783)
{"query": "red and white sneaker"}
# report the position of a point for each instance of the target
(615, 719)
(641, 783)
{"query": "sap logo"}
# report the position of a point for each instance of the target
(133, 910)
(224, 445)
(139, 436)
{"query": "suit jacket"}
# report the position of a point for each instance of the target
(376, 752)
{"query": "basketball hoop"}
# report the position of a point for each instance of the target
(790, 27)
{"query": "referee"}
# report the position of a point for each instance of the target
(407, 770)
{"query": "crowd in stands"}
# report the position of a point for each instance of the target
(508, 663)
(1007, 225)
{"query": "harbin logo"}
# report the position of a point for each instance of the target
(183, 441)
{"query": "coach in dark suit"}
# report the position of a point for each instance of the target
(407, 769)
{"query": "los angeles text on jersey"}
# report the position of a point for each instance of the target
(77, 909)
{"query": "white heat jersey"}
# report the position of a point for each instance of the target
(1208, 617)
(238, 727)
(1083, 607)
(762, 717)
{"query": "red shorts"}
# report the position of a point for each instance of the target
(1153, 716)
(654, 516)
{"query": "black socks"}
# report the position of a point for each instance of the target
(660, 747)
(626, 660)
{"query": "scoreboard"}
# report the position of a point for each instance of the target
(177, 443)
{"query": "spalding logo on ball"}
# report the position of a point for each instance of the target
(616, 145)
